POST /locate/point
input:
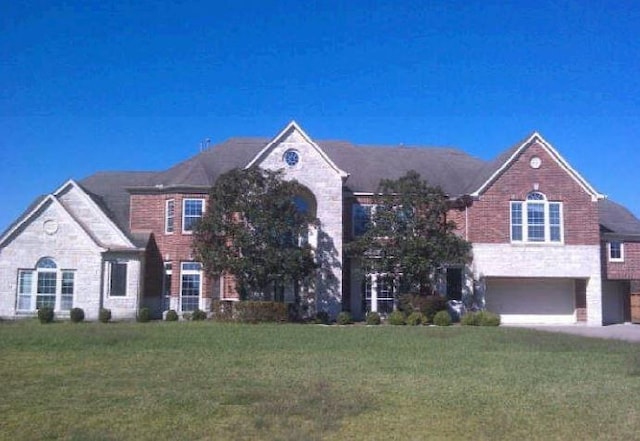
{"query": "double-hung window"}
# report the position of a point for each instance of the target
(536, 220)
(117, 279)
(192, 211)
(616, 251)
(378, 293)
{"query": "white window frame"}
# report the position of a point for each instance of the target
(372, 290)
(169, 216)
(30, 295)
(525, 224)
(166, 287)
(610, 249)
(184, 214)
(190, 272)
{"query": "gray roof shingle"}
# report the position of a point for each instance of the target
(617, 220)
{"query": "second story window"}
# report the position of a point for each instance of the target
(536, 220)
(616, 251)
(192, 210)
(170, 215)
(361, 218)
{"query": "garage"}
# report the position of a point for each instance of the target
(520, 300)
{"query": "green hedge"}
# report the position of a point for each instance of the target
(249, 311)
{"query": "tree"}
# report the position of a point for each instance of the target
(409, 237)
(254, 231)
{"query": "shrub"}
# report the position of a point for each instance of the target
(144, 315)
(470, 319)
(45, 314)
(105, 315)
(322, 318)
(416, 318)
(431, 305)
(259, 311)
(172, 316)
(344, 318)
(222, 310)
(442, 318)
(198, 315)
(187, 315)
(487, 318)
(396, 318)
(76, 315)
(480, 318)
(373, 318)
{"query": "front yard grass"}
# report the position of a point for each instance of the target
(203, 380)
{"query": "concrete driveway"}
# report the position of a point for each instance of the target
(628, 331)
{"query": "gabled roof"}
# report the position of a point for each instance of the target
(294, 127)
(35, 208)
(617, 221)
(493, 171)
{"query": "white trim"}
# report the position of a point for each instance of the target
(166, 216)
(109, 263)
(293, 126)
(200, 275)
(184, 202)
(547, 222)
(615, 259)
(556, 157)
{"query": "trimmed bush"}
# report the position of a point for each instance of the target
(222, 310)
(322, 318)
(431, 305)
(257, 312)
(172, 316)
(416, 318)
(76, 315)
(45, 314)
(105, 315)
(198, 315)
(442, 318)
(470, 319)
(480, 318)
(373, 318)
(488, 318)
(396, 318)
(344, 318)
(144, 315)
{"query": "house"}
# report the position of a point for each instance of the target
(547, 246)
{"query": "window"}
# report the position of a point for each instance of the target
(192, 210)
(118, 279)
(536, 220)
(166, 285)
(45, 286)
(378, 293)
(616, 251)
(190, 285)
(361, 218)
(170, 214)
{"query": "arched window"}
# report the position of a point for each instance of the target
(45, 286)
(536, 220)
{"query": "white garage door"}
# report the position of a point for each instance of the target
(549, 301)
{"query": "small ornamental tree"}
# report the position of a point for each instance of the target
(409, 237)
(254, 230)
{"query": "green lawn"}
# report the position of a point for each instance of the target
(200, 380)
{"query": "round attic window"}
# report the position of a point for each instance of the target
(535, 162)
(50, 226)
(291, 157)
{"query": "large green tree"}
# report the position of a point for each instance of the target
(409, 237)
(254, 229)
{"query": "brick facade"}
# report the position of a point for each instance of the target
(628, 269)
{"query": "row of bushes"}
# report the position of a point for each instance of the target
(76, 315)
(249, 311)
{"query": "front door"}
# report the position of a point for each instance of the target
(454, 283)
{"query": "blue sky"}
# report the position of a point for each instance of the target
(90, 86)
